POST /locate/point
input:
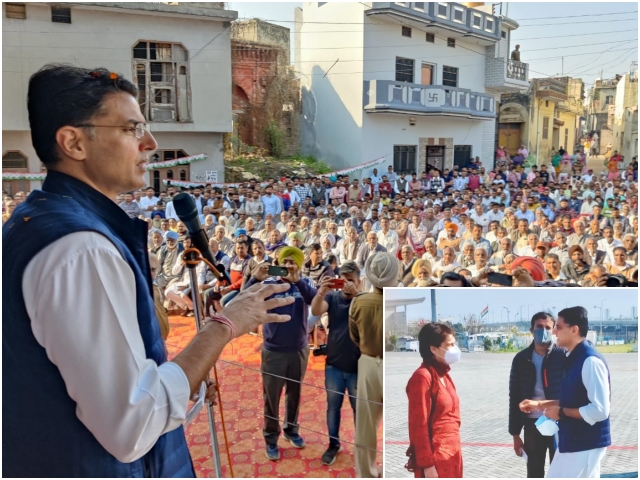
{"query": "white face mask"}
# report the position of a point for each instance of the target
(452, 355)
(546, 426)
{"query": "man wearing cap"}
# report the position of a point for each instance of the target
(167, 257)
(365, 328)
(285, 352)
(576, 269)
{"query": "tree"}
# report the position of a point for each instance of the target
(487, 343)
(472, 324)
(392, 341)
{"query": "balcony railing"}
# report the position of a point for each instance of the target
(453, 16)
(517, 70)
(401, 97)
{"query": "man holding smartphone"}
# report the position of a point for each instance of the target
(341, 368)
(285, 352)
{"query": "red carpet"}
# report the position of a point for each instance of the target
(241, 393)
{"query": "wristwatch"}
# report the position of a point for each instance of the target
(561, 413)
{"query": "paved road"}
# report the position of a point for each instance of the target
(482, 382)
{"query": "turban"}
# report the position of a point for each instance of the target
(241, 231)
(418, 264)
(296, 235)
(330, 237)
(381, 270)
(293, 252)
(531, 265)
(171, 235)
(575, 248)
(451, 225)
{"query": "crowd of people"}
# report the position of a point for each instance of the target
(451, 228)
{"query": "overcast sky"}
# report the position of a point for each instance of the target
(460, 302)
(592, 36)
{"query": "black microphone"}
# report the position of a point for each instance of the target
(187, 212)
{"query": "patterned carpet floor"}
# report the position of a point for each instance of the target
(241, 393)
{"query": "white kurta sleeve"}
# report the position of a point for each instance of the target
(596, 380)
(80, 295)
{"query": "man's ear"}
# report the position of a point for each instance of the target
(71, 142)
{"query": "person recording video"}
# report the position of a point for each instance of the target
(88, 390)
(334, 297)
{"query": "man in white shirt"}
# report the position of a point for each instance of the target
(376, 179)
(583, 410)
(82, 319)
(608, 243)
(387, 237)
(480, 218)
(148, 202)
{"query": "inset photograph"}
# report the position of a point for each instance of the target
(539, 382)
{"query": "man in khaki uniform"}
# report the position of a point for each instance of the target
(365, 329)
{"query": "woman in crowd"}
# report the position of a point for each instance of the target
(434, 407)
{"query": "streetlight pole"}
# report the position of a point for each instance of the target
(601, 315)
(507, 317)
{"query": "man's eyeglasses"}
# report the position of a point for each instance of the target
(139, 129)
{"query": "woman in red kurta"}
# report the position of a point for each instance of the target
(434, 407)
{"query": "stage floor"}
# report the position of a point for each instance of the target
(241, 393)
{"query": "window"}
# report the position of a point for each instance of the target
(451, 42)
(406, 32)
(404, 70)
(61, 14)
(183, 175)
(458, 14)
(545, 128)
(164, 155)
(170, 174)
(431, 38)
(450, 76)
(546, 103)
(566, 138)
(404, 158)
(442, 10)
(419, 5)
(477, 20)
(427, 74)
(13, 160)
(161, 72)
(16, 10)
(489, 24)
(503, 34)
(608, 100)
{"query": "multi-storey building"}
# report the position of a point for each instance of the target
(544, 118)
(416, 83)
(177, 55)
(625, 118)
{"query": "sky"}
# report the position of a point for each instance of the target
(455, 303)
(591, 36)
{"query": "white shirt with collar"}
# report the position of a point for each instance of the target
(80, 295)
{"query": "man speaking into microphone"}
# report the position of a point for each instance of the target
(87, 388)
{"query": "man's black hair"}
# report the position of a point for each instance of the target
(63, 95)
(576, 316)
(542, 316)
(454, 277)
(314, 247)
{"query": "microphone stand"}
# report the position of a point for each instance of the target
(199, 316)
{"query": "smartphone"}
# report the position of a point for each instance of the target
(500, 279)
(337, 283)
(276, 271)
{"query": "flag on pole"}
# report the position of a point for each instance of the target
(485, 311)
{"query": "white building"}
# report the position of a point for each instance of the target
(625, 120)
(179, 55)
(415, 83)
